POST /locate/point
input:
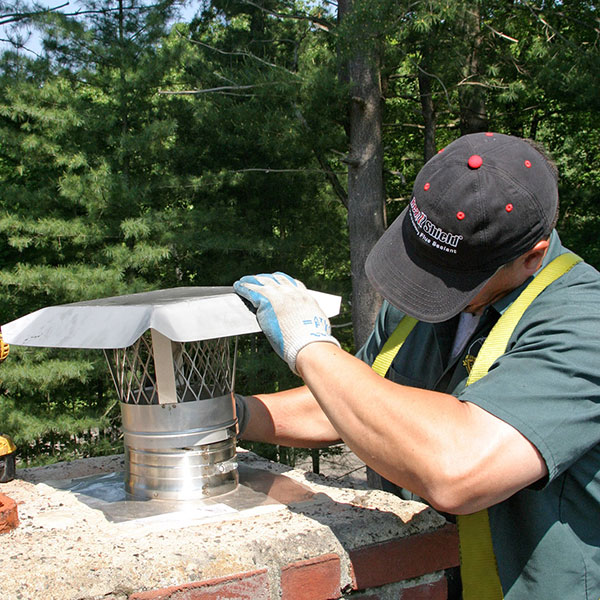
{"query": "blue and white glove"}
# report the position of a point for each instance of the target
(288, 315)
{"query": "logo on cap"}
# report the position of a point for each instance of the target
(432, 234)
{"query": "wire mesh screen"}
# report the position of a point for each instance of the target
(203, 369)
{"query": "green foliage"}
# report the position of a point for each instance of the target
(139, 153)
(111, 187)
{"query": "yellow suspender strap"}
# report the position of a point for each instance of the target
(478, 567)
(384, 359)
(479, 571)
(496, 342)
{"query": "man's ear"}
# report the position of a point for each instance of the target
(532, 260)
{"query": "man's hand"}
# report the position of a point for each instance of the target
(289, 316)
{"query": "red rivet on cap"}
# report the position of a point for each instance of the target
(426, 186)
(509, 207)
(441, 150)
(528, 164)
(460, 215)
(475, 161)
(489, 134)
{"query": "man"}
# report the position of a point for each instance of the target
(523, 440)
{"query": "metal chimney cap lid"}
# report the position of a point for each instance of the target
(184, 314)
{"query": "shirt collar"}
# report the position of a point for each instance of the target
(554, 249)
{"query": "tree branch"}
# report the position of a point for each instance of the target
(481, 84)
(434, 76)
(321, 23)
(268, 170)
(537, 13)
(15, 17)
(224, 88)
(238, 53)
(331, 175)
(500, 34)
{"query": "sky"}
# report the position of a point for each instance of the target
(32, 39)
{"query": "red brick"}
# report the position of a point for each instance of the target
(427, 591)
(252, 585)
(9, 515)
(313, 579)
(406, 558)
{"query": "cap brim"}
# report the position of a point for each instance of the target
(417, 287)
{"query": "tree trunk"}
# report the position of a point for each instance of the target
(365, 178)
(427, 106)
(473, 114)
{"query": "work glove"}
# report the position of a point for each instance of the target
(288, 315)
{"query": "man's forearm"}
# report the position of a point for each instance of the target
(289, 418)
(454, 454)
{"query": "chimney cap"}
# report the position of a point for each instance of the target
(183, 314)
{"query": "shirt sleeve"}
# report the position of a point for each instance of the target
(547, 384)
(386, 321)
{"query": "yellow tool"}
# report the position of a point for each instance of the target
(8, 450)
(4, 348)
(7, 446)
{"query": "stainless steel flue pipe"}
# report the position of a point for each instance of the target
(178, 416)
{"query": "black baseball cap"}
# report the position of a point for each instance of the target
(479, 203)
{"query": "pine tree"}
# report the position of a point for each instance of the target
(81, 209)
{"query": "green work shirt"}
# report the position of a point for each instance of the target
(547, 385)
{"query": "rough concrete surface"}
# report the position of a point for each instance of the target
(65, 550)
